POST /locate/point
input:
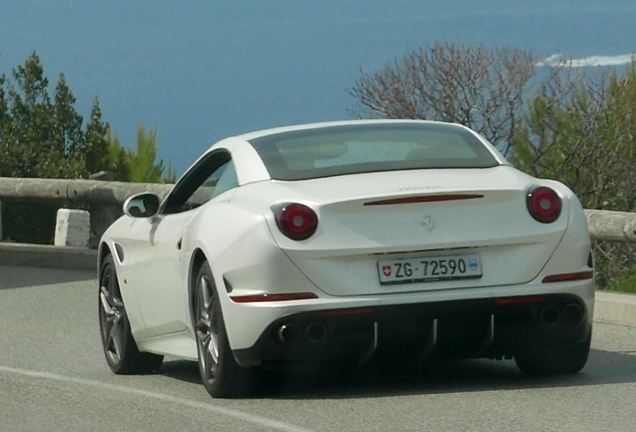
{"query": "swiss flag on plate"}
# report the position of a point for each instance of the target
(386, 270)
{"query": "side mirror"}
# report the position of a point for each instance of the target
(142, 205)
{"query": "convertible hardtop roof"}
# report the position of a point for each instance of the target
(307, 126)
(328, 149)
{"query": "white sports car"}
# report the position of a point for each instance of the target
(307, 244)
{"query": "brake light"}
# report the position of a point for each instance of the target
(544, 204)
(296, 221)
(424, 198)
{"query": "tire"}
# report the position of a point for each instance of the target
(220, 374)
(568, 359)
(121, 352)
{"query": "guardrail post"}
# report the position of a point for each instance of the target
(101, 216)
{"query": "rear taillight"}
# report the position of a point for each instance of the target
(544, 204)
(296, 221)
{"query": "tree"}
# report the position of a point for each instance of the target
(28, 120)
(96, 152)
(4, 115)
(478, 87)
(139, 165)
(143, 168)
(117, 157)
(584, 135)
(45, 137)
(66, 154)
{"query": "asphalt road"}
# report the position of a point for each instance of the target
(53, 378)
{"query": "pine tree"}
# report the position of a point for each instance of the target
(30, 120)
(4, 123)
(139, 165)
(68, 147)
(96, 155)
(142, 161)
(117, 157)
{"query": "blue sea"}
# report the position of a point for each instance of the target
(200, 70)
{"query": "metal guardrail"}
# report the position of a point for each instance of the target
(105, 196)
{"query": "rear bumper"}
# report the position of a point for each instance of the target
(489, 327)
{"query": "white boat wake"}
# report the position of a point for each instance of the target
(561, 60)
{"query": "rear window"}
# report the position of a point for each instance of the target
(340, 150)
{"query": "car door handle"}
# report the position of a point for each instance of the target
(179, 243)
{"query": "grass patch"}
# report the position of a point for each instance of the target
(627, 284)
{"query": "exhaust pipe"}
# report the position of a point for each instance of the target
(572, 313)
(287, 334)
(316, 332)
(549, 315)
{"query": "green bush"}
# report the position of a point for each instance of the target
(627, 283)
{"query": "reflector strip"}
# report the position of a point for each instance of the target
(424, 198)
(273, 297)
(346, 312)
(520, 300)
(567, 277)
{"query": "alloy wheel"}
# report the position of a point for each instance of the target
(112, 315)
(207, 329)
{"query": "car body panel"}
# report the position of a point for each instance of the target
(351, 236)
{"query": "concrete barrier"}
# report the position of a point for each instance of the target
(69, 257)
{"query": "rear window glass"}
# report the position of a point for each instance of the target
(341, 150)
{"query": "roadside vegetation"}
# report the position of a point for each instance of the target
(575, 125)
(43, 136)
(625, 284)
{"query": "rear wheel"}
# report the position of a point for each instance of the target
(556, 360)
(221, 375)
(120, 348)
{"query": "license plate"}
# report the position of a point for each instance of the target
(429, 269)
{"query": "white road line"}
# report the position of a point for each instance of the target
(258, 420)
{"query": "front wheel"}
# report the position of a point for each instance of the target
(556, 360)
(120, 348)
(221, 375)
